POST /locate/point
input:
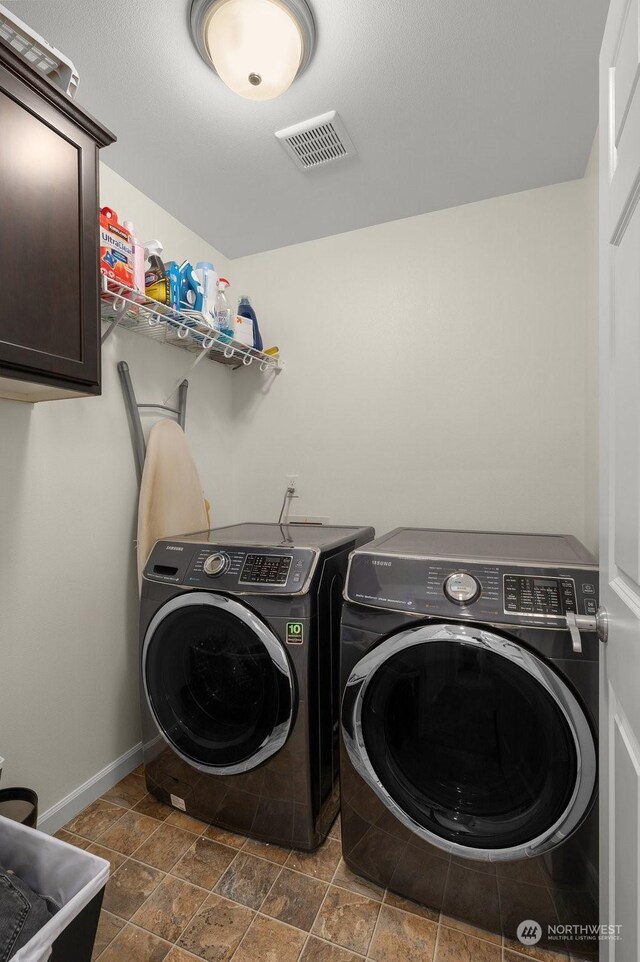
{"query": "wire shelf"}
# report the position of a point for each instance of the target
(121, 306)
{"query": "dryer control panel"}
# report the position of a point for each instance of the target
(495, 593)
(237, 568)
(532, 595)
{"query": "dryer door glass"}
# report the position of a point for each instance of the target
(218, 684)
(471, 741)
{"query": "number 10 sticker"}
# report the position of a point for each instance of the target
(295, 632)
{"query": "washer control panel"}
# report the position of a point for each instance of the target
(497, 593)
(216, 564)
(266, 569)
(237, 568)
(462, 588)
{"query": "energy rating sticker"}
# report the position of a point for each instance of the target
(295, 632)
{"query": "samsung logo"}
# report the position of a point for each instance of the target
(384, 564)
(174, 547)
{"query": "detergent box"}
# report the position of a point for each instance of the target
(116, 249)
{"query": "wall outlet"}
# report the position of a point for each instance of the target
(292, 480)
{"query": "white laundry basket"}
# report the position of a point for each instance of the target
(74, 879)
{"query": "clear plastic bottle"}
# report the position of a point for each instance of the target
(224, 312)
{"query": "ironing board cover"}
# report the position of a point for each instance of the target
(171, 498)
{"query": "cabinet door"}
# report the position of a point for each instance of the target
(49, 311)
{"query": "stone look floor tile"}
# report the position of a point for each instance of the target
(165, 846)
(348, 919)
(397, 902)
(248, 880)
(346, 879)
(538, 952)
(129, 887)
(170, 908)
(114, 858)
(95, 819)
(128, 833)
(320, 864)
(336, 829)
(273, 853)
(225, 837)
(135, 945)
(318, 951)
(509, 956)
(71, 839)
(267, 940)
(108, 927)
(127, 792)
(295, 899)
(216, 930)
(181, 955)
(402, 936)
(471, 930)
(186, 822)
(204, 863)
(153, 807)
(146, 910)
(455, 946)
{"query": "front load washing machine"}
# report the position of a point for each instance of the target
(469, 728)
(239, 658)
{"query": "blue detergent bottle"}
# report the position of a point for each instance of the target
(246, 310)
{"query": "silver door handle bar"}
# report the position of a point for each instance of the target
(577, 623)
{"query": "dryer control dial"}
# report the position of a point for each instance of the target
(462, 588)
(216, 564)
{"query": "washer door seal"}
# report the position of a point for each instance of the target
(218, 683)
(473, 742)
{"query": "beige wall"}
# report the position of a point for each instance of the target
(68, 683)
(436, 371)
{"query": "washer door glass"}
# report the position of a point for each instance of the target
(218, 683)
(474, 740)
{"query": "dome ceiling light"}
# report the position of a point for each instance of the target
(257, 47)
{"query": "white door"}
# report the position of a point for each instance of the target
(620, 477)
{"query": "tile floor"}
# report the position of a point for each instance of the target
(184, 891)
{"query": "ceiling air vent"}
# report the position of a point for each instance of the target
(316, 142)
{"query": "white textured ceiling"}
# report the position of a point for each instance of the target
(447, 102)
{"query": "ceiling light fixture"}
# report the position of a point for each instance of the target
(257, 47)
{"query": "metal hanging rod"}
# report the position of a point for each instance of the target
(134, 406)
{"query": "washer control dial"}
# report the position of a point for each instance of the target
(216, 564)
(462, 588)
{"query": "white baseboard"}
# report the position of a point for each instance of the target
(67, 808)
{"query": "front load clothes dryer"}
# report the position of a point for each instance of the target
(469, 718)
(239, 658)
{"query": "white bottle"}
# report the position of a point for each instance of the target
(206, 274)
(138, 258)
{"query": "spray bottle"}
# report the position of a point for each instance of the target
(156, 281)
(224, 312)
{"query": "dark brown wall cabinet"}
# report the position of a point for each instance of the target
(49, 284)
